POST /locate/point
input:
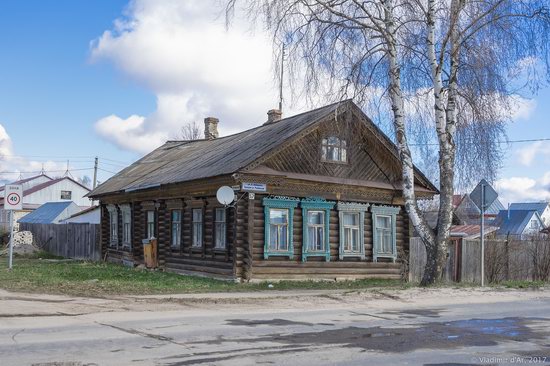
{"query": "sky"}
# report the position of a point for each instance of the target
(117, 78)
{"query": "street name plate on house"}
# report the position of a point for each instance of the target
(254, 187)
(490, 194)
(13, 197)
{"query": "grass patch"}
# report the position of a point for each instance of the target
(39, 273)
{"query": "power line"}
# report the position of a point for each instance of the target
(497, 142)
(107, 171)
(45, 171)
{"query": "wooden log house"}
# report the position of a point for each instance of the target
(317, 197)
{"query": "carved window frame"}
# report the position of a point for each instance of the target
(288, 203)
(315, 204)
(386, 211)
(355, 208)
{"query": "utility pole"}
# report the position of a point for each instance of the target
(482, 233)
(95, 172)
(281, 81)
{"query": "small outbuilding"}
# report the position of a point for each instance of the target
(50, 213)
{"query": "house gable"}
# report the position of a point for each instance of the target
(364, 159)
(371, 158)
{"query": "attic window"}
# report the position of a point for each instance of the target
(334, 149)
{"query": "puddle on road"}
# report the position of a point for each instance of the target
(429, 335)
(454, 334)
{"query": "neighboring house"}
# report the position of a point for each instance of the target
(50, 213)
(41, 189)
(327, 201)
(518, 223)
(468, 213)
(91, 215)
(543, 208)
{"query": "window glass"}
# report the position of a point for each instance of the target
(150, 224)
(176, 229)
(334, 149)
(278, 230)
(66, 195)
(351, 232)
(384, 233)
(316, 230)
(197, 227)
(220, 227)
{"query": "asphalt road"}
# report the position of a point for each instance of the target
(515, 330)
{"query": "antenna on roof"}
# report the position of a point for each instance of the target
(67, 172)
(281, 80)
(42, 172)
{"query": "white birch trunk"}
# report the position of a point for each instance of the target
(397, 102)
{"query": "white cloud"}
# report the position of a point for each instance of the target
(182, 51)
(528, 154)
(524, 189)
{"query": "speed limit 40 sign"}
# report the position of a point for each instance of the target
(13, 197)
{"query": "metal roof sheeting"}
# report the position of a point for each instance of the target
(48, 213)
(532, 206)
(513, 222)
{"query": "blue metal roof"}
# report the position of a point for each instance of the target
(45, 214)
(533, 206)
(513, 222)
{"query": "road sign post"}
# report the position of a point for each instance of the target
(483, 196)
(13, 201)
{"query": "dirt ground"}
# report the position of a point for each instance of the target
(28, 305)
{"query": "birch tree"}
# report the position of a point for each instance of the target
(445, 73)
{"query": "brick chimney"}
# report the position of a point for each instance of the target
(273, 115)
(211, 128)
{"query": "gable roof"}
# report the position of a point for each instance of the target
(182, 161)
(535, 206)
(47, 213)
(514, 221)
(25, 180)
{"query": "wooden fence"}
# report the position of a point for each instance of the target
(505, 259)
(79, 241)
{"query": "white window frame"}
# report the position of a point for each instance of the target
(311, 246)
(352, 208)
(220, 229)
(279, 229)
